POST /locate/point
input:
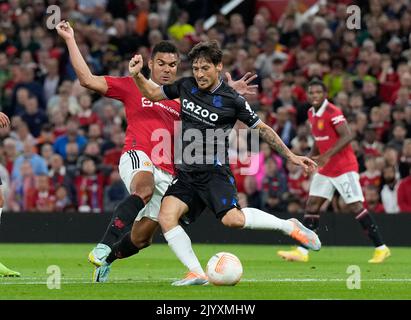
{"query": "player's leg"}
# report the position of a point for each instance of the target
(311, 221)
(142, 232)
(321, 190)
(140, 237)
(370, 227)
(4, 271)
(349, 187)
(172, 209)
(146, 223)
(220, 195)
(127, 210)
(255, 219)
(136, 171)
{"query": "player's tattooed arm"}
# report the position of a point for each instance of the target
(275, 142)
(272, 138)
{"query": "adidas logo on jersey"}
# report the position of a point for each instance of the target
(196, 109)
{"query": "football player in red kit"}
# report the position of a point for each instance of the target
(338, 170)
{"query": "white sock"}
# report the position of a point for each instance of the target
(180, 243)
(1, 209)
(381, 247)
(260, 220)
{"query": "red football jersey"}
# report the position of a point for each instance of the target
(323, 127)
(144, 117)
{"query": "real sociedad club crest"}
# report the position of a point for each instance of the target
(218, 101)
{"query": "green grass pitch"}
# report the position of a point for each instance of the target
(147, 276)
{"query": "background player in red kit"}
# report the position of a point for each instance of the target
(145, 175)
(338, 169)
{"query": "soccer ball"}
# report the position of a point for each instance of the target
(224, 269)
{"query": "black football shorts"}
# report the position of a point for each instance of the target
(214, 189)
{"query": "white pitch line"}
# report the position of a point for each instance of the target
(323, 280)
(32, 281)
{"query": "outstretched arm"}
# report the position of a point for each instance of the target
(86, 78)
(147, 89)
(275, 142)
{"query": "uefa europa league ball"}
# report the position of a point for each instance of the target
(224, 269)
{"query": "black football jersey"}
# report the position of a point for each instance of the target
(207, 119)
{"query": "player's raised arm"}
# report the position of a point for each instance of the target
(148, 90)
(275, 142)
(86, 78)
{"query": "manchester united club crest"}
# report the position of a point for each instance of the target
(320, 124)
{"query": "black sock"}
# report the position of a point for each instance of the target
(370, 227)
(122, 249)
(123, 218)
(312, 221)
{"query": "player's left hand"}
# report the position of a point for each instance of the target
(4, 120)
(243, 86)
(307, 164)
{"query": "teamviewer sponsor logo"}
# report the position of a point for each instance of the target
(146, 103)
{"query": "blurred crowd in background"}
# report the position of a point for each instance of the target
(62, 149)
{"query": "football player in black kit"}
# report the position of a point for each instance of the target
(205, 180)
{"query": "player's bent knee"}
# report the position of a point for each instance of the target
(167, 220)
(144, 193)
(234, 219)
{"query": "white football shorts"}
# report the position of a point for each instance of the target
(347, 185)
(134, 161)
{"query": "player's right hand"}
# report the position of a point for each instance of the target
(135, 65)
(65, 30)
(308, 165)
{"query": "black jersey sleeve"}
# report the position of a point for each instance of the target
(245, 113)
(172, 91)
